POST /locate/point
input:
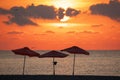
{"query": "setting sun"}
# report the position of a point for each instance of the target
(63, 3)
(64, 23)
(31, 28)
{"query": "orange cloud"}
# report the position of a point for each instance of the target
(96, 25)
(89, 32)
(14, 32)
(50, 32)
(71, 32)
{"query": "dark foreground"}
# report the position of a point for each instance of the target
(57, 77)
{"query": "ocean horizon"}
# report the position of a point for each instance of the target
(99, 62)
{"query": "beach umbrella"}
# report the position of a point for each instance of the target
(75, 50)
(25, 52)
(53, 54)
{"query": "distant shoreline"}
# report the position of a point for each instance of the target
(58, 50)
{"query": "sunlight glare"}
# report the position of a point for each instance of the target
(65, 18)
(62, 24)
(63, 3)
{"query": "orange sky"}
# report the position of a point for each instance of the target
(86, 30)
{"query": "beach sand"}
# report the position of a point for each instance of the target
(57, 77)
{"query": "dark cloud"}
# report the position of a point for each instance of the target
(15, 32)
(69, 12)
(60, 13)
(3, 11)
(72, 12)
(41, 11)
(111, 10)
(20, 20)
(21, 16)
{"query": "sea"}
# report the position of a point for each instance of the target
(99, 62)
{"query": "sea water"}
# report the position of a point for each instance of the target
(99, 62)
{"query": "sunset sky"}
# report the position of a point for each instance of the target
(58, 24)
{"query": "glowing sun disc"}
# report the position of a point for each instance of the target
(62, 3)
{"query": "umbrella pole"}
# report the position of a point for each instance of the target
(53, 66)
(24, 64)
(73, 65)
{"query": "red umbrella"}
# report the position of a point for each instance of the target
(53, 54)
(26, 52)
(75, 50)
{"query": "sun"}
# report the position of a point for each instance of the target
(63, 3)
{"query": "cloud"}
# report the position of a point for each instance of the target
(20, 20)
(83, 32)
(89, 32)
(3, 11)
(14, 32)
(51, 32)
(71, 32)
(21, 16)
(60, 13)
(60, 27)
(40, 34)
(96, 25)
(72, 12)
(112, 9)
(69, 12)
(41, 11)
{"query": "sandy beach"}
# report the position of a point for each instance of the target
(57, 77)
